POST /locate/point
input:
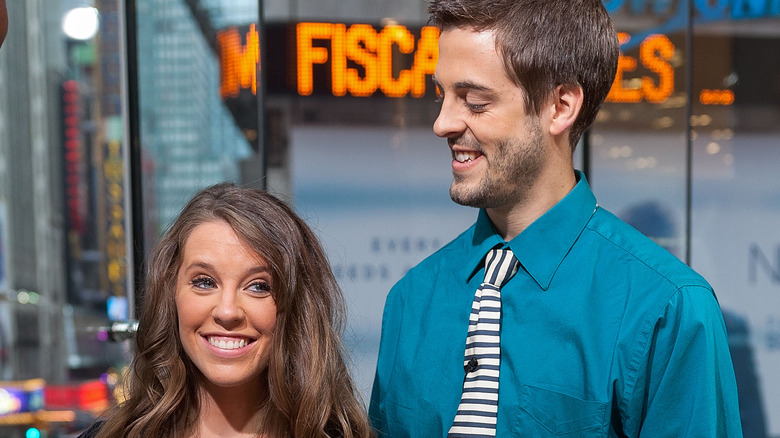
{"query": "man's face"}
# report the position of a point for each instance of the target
(497, 148)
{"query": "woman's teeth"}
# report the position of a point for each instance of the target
(228, 345)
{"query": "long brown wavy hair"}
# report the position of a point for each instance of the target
(311, 393)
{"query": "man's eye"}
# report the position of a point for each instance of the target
(477, 107)
(439, 94)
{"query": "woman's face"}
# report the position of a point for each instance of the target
(226, 309)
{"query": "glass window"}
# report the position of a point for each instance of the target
(734, 239)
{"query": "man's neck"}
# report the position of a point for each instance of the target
(549, 189)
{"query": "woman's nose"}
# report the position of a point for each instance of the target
(227, 310)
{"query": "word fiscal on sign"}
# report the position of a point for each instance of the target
(361, 60)
(372, 51)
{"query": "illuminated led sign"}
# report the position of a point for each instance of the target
(373, 51)
(706, 10)
(361, 60)
(655, 52)
(74, 160)
(239, 61)
(357, 60)
(21, 396)
(113, 172)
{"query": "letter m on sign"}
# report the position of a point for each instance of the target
(239, 62)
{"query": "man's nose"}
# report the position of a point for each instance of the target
(449, 123)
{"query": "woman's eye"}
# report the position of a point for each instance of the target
(260, 287)
(203, 282)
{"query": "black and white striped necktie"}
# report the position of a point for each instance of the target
(478, 407)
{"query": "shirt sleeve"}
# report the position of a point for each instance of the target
(391, 324)
(685, 384)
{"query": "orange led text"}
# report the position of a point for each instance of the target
(655, 54)
(239, 62)
(373, 51)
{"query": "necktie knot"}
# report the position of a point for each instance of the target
(500, 266)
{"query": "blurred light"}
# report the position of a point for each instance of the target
(646, 162)
(728, 159)
(678, 101)
(702, 120)
(730, 80)
(32, 433)
(81, 23)
(23, 297)
(68, 416)
(116, 308)
(713, 147)
(620, 152)
(663, 122)
(722, 134)
(34, 297)
(716, 97)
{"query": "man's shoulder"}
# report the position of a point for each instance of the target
(631, 246)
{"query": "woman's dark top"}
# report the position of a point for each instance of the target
(92, 431)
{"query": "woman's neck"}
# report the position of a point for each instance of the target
(230, 412)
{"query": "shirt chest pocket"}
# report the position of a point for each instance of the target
(545, 413)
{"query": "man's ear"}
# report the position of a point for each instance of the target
(566, 104)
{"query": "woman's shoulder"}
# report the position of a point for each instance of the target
(92, 430)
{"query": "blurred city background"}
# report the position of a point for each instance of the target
(114, 112)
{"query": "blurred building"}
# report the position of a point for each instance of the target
(32, 220)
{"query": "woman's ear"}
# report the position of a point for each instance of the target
(566, 104)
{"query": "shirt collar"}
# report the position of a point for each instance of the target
(542, 246)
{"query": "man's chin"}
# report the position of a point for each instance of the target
(466, 199)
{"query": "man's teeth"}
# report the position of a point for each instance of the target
(464, 157)
(228, 345)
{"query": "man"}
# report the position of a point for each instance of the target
(601, 332)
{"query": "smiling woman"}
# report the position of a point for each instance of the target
(239, 334)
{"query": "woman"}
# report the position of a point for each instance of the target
(239, 331)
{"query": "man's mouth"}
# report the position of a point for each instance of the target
(228, 344)
(465, 156)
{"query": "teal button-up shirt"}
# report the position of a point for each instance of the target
(604, 334)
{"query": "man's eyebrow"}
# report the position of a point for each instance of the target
(460, 85)
(469, 85)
